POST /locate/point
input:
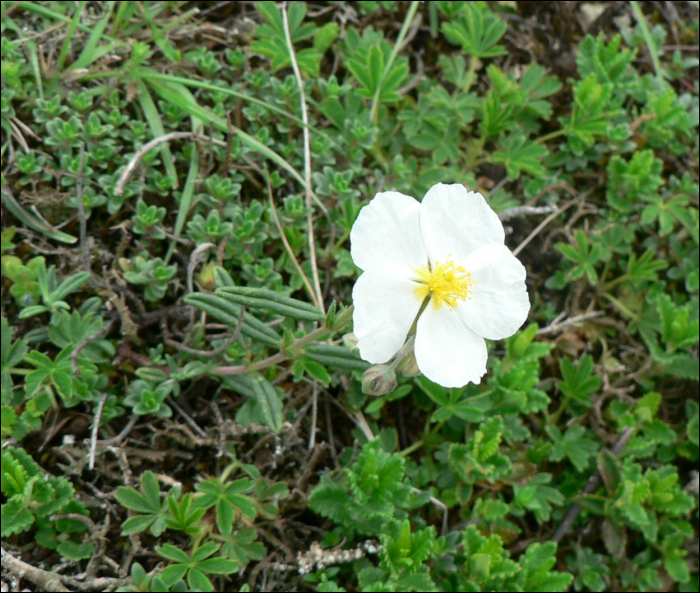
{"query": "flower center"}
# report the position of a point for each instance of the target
(446, 283)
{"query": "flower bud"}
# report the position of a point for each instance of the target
(408, 366)
(350, 341)
(379, 379)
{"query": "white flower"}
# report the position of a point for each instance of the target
(447, 252)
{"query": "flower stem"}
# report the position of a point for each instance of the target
(316, 335)
(403, 352)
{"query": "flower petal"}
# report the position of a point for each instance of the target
(447, 351)
(499, 304)
(386, 235)
(455, 222)
(385, 308)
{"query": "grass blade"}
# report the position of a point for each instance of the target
(194, 109)
(31, 221)
(157, 129)
(90, 52)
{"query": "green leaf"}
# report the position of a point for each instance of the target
(198, 581)
(133, 500)
(538, 497)
(537, 563)
(520, 155)
(204, 551)
(584, 256)
(605, 62)
(32, 221)
(227, 499)
(434, 391)
(640, 178)
(610, 470)
(477, 30)
(667, 212)
(377, 476)
(230, 313)
(325, 36)
(335, 356)
(183, 515)
(326, 586)
(261, 298)
(330, 500)
(573, 444)
(591, 569)
(148, 502)
(218, 566)
(11, 354)
(70, 285)
(316, 371)
(406, 551)
(578, 383)
(76, 551)
(172, 574)
(15, 518)
(645, 268)
(271, 40)
(137, 524)
(269, 402)
(678, 329)
(497, 115)
(170, 552)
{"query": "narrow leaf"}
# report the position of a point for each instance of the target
(269, 402)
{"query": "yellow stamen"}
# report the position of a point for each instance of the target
(446, 283)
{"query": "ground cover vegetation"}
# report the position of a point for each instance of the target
(182, 405)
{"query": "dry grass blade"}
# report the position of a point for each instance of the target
(307, 162)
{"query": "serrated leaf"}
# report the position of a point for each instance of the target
(329, 499)
(15, 518)
(537, 562)
(76, 551)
